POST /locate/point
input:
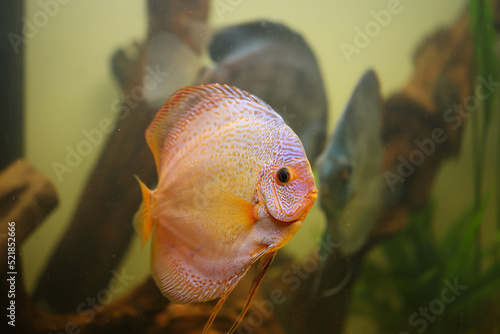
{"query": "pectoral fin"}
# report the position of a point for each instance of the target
(264, 266)
(259, 276)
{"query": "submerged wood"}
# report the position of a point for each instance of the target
(442, 63)
(100, 231)
(496, 13)
(101, 228)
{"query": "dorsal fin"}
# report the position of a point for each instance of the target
(184, 106)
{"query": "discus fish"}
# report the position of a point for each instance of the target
(234, 186)
(350, 168)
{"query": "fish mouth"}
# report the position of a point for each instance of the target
(312, 195)
(290, 222)
(309, 201)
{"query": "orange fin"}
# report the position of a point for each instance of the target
(142, 219)
(233, 210)
(259, 276)
(183, 108)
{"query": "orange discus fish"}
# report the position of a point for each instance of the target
(234, 185)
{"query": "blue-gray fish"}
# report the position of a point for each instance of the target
(352, 186)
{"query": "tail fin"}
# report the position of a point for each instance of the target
(142, 219)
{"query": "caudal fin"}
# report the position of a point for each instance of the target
(142, 218)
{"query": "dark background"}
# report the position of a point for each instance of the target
(11, 83)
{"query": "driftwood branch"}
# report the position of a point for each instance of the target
(101, 228)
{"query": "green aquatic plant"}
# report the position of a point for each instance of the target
(419, 283)
(483, 37)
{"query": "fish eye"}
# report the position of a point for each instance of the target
(346, 173)
(284, 175)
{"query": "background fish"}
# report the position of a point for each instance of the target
(350, 168)
(234, 186)
(275, 63)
